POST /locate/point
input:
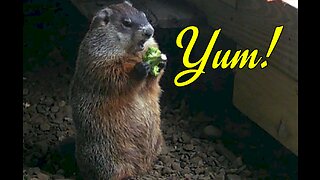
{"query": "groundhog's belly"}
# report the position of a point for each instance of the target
(134, 130)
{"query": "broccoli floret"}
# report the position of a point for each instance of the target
(153, 57)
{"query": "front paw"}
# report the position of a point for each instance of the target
(163, 62)
(162, 65)
(142, 69)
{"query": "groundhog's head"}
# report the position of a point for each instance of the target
(123, 25)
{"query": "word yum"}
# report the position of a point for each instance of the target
(239, 56)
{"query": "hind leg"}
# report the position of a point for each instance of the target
(123, 172)
(160, 144)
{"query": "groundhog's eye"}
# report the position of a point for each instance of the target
(127, 22)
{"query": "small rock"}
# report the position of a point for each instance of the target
(204, 177)
(188, 147)
(40, 109)
(26, 128)
(42, 176)
(246, 173)
(195, 141)
(220, 176)
(210, 149)
(221, 158)
(241, 168)
(157, 167)
(165, 150)
(225, 152)
(233, 177)
(54, 109)
(34, 171)
(185, 138)
(60, 171)
(43, 146)
(166, 170)
(212, 131)
(203, 155)
(183, 164)
(45, 126)
(57, 177)
(214, 154)
(186, 170)
(165, 159)
(62, 103)
(68, 110)
(175, 138)
(52, 116)
(199, 170)
(184, 158)
(48, 101)
(188, 176)
(196, 161)
(25, 91)
(176, 166)
(232, 170)
(237, 162)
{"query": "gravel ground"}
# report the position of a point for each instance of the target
(48, 124)
(195, 143)
(200, 145)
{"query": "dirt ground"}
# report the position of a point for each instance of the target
(226, 145)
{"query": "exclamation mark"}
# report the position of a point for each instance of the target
(273, 43)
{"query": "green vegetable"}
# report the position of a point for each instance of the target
(153, 57)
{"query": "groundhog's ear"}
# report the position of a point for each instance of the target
(128, 2)
(101, 18)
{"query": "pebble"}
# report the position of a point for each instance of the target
(42, 176)
(43, 146)
(246, 173)
(176, 166)
(54, 109)
(220, 176)
(212, 131)
(62, 103)
(166, 170)
(225, 152)
(25, 91)
(221, 158)
(165, 159)
(186, 170)
(237, 162)
(185, 138)
(34, 171)
(48, 101)
(188, 176)
(199, 170)
(60, 171)
(45, 126)
(196, 160)
(175, 138)
(188, 147)
(233, 177)
(40, 109)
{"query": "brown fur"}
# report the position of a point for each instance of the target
(116, 112)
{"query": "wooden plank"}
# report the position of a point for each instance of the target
(270, 99)
(165, 14)
(232, 3)
(252, 23)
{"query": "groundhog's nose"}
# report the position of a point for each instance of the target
(148, 31)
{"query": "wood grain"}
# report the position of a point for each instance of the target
(252, 23)
(270, 100)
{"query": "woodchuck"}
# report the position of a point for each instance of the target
(114, 98)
